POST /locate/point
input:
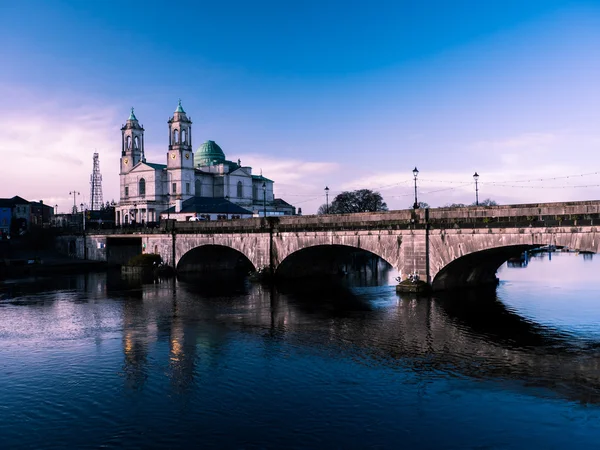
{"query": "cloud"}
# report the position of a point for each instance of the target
(300, 183)
(47, 146)
(524, 168)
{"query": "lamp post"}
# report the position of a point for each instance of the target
(326, 200)
(83, 216)
(168, 206)
(264, 188)
(416, 173)
(135, 213)
(74, 193)
(476, 178)
(227, 207)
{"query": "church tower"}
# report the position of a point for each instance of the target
(180, 158)
(132, 143)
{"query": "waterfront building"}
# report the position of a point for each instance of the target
(201, 185)
(18, 214)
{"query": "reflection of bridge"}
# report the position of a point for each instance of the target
(448, 247)
(473, 335)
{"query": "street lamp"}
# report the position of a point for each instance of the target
(326, 200)
(416, 173)
(264, 187)
(168, 205)
(74, 193)
(135, 213)
(83, 216)
(227, 207)
(476, 177)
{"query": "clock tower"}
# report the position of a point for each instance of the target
(132, 143)
(180, 158)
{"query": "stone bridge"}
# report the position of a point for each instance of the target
(448, 247)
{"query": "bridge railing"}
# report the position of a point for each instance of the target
(533, 215)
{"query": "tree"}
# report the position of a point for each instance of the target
(362, 200)
(486, 202)
(422, 205)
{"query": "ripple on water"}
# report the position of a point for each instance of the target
(104, 363)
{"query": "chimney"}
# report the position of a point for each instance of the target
(177, 206)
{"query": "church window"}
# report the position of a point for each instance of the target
(136, 142)
(174, 188)
(175, 137)
(187, 188)
(142, 186)
(183, 137)
(198, 188)
(126, 191)
(128, 142)
(240, 189)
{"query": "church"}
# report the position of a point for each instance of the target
(191, 186)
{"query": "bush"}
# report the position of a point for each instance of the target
(145, 260)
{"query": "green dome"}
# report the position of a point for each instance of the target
(208, 154)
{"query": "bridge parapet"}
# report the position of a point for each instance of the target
(533, 215)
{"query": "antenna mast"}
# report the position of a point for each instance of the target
(96, 186)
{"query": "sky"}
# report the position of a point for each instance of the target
(344, 94)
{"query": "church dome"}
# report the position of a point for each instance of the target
(208, 154)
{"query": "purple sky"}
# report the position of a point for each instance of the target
(345, 94)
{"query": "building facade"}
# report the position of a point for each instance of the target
(201, 185)
(18, 215)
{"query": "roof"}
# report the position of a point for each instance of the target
(208, 154)
(16, 200)
(207, 205)
(156, 166)
(19, 200)
(179, 108)
(261, 178)
(281, 202)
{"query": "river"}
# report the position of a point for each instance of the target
(100, 360)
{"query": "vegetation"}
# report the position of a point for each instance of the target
(362, 200)
(422, 205)
(145, 260)
(486, 202)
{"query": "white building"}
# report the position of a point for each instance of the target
(189, 185)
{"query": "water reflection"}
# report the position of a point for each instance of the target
(471, 333)
(208, 352)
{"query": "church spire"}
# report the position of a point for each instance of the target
(179, 108)
(132, 115)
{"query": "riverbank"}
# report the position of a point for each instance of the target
(24, 262)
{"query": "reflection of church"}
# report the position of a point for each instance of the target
(201, 185)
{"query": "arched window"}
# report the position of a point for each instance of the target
(175, 137)
(240, 189)
(136, 142)
(198, 187)
(183, 137)
(142, 187)
(128, 141)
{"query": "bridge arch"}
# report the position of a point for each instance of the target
(476, 268)
(330, 259)
(463, 260)
(210, 258)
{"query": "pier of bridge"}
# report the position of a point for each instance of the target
(447, 247)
